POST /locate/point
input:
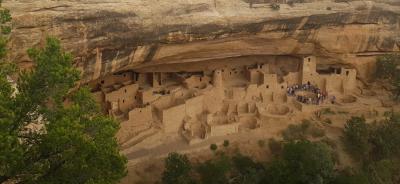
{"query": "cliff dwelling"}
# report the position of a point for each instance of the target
(216, 99)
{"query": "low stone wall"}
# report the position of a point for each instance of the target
(221, 130)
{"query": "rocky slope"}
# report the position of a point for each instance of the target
(111, 35)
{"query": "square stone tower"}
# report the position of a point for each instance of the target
(309, 70)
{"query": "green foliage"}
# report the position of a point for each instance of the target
(385, 138)
(246, 170)
(302, 162)
(261, 143)
(384, 171)
(315, 160)
(52, 78)
(213, 147)
(226, 143)
(297, 132)
(377, 146)
(356, 136)
(3, 47)
(348, 178)
(5, 16)
(376, 142)
(331, 143)
(6, 68)
(317, 132)
(386, 66)
(275, 146)
(242, 163)
(215, 171)
(290, 3)
(72, 143)
(328, 121)
(275, 6)
(396, 85)
(305, 124)
(5, 29)
(294, 132)
(177, 169)
(327, 111)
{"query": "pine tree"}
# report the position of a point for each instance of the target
(50, 133)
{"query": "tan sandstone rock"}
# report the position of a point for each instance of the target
(111, 35)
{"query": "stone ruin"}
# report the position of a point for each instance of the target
(198, 105)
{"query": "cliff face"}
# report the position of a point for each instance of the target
(112, 35)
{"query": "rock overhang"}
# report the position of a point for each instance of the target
(110, 36)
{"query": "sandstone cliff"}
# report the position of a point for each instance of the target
(111, 35)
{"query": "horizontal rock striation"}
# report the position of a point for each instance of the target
(106, 36)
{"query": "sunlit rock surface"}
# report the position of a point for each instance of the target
(112, 35)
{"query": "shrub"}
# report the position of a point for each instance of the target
(244, 163)
(275, 146)
(215, 171)
(385, 138)
(290, 3)
(275, 6)
(386, 66)
(361, 7)
(396, 85)
(328, 8)
(328, 121)
(213, 147)
(317, 132)
(327, 111)
(301, 131)
(356, 137)
(348, 176)
(177, 169)
(293, 132)
(226, 143)
(261, 143)
(302, 162)
(336, 157)
(305, 124)
(331, 143)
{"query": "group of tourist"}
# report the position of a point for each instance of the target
(316, 99)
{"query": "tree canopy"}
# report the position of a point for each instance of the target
(356, 137)
(50, 133)
(387, 67)
(177, 170)
(376, 146)
(215, 171)
(302, 162)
